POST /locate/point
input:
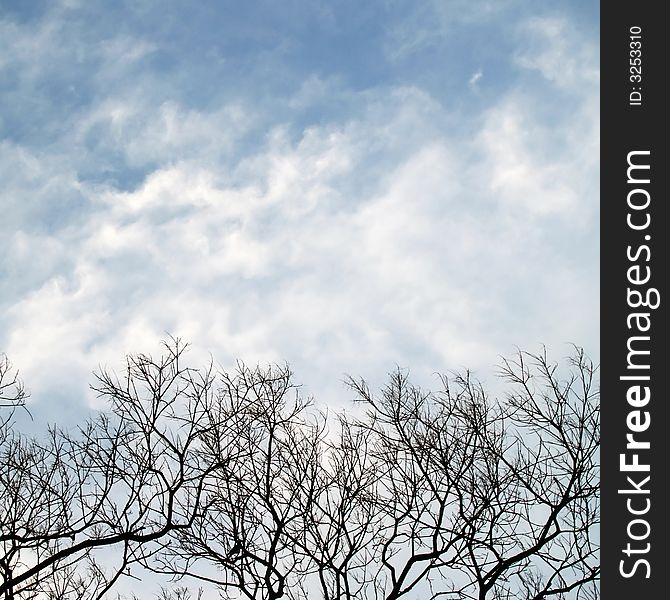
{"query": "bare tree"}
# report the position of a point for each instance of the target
(255, 508)
(13, 395)
(178, 593)
(345, 519)
(445, 495)
(238, 482)
(489, 499)
(125, 480)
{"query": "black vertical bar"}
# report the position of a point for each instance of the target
(634, 243)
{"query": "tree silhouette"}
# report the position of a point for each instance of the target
(125, 480)
(12, 396)
(238, 482)
(489, 499)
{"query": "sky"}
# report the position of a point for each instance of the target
(344, 186)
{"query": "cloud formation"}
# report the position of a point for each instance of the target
(341, 219)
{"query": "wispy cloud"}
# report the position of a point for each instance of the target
(473, 82)
(339, 226)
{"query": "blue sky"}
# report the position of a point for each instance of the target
(345, 186)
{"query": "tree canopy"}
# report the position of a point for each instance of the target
(236, 482)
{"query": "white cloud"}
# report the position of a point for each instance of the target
(554, 49)
(536, 185)
(148, 135)
(430, 23)
(388, 237)
(474, 80)
(123, 49)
